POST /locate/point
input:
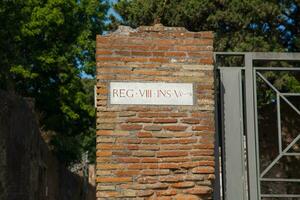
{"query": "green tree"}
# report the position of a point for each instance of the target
(45, 47)
(290, 20)
(239, 25)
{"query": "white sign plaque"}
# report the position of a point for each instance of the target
(138, 93)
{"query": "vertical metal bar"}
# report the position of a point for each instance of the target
(234, 187)
(256, 132)
(279, 123)
(223, 175)
(250, 125)
(217, 188)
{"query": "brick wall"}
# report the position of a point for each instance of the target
(155, 152)
(28, 169)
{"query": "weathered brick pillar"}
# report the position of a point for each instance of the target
(155, 142)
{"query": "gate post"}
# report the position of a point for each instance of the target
(233, 150)
(155, 114)
(251, 128)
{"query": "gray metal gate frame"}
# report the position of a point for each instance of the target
(240, 183)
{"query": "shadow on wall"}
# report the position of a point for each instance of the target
(28, 170)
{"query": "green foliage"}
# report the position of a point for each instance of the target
(44, 47)
(291, 28)
(238, 25)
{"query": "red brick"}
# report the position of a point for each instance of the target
(202, 128)
(204, 146)
(103, 159)
(168, 141)
(107, 114)
(149, 114)
(190, 121)
(141, 53)
(189, 164)
(127, 172)
(158, 53)
(187, 140)
(202, 114)
(171, 153)
(150, 72)
(109, 166)
(169, 192)
(126, 114)
(108, 194)
(199, 190)
(178, 114)
(175, 159)
(175, 54)
(178, 141)
(150, 160)
(203, 170)
(186, 197)
(103, 153)
(110, 146)
(144, 193)
(202, 152)
(169, 179)
(160, 60)
(165, 120)
(130, 127)
(112, 133)
(149, 147)
(136, 166)
(208, 61)
(168, 166)
(123, 53)
(121, 153)
(113, 179)
(207, 34)
(101, 39)
(104, 132)
(114, 71)
(187, 48)
(186, 184)
(166, 42)
(138, 109)
(128, 160)
(103, 58)
(176, 147)
(135, 59)
(132, 147)
(144, 153)
(105, 77)
(150, 141)
(155, 172)
(142, 166)
(101, 91)
(147, 179)
(161, 198)
(152, 128)
(129, 140)
(157, 186)
(139, 120)
(144, 134)
(163, 48)
(201, 54)
(175, 128)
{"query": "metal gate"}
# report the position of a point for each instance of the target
(260, 123)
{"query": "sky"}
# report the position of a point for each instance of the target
(111, 11)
